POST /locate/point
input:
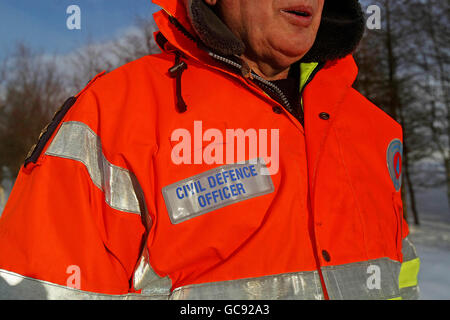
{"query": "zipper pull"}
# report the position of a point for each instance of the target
(246, 71)
(177, 72)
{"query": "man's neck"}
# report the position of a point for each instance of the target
(265, 70)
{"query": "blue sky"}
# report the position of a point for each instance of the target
(42, 23)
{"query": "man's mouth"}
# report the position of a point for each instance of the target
(301, 11)
(300, 16)
(298, 13)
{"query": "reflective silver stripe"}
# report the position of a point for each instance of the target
(17, 287)
(147, 280)
(409, 253)
(410, 293)
(76, 141)
(289, 286)
(408, 250)
(144, 277)
(216, 188)
(357, 281)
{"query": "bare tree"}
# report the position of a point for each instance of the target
(94, 58)
(32, 90)
(428, 64)
(435, 22)
(385, 78)
(2, 106)
(86, 62)
(33, 86)
(137, 43)
(413, 68)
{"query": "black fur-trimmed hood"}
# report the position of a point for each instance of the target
(340, 31)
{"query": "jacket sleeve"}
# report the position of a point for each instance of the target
(72, 227)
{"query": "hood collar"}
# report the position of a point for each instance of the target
(340, 31)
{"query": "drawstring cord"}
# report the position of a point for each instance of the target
(176, 72)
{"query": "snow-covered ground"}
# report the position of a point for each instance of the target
(434, 277)
(432, 240)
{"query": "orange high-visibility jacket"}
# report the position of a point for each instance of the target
(102, 209)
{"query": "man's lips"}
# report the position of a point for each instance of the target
(301, 15)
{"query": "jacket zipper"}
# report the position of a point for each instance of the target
(274, 88)
(266, 83)
(284, 100)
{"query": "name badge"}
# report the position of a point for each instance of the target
(216, 188)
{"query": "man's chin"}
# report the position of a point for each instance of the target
(293, 44)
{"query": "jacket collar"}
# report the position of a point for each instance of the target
(341, 28)
(335, 77)
(343, 71)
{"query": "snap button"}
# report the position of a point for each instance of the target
(326, 255)
(277, 110)
(324, 116)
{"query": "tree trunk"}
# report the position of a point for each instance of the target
(447, 169)
(391, 65)
(409, 183)
(395, 107)
(439, 57)
(412, 194)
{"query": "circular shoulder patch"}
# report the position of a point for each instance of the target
(394, 162)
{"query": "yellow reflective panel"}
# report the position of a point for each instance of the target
(306, 69)
(408, 273)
